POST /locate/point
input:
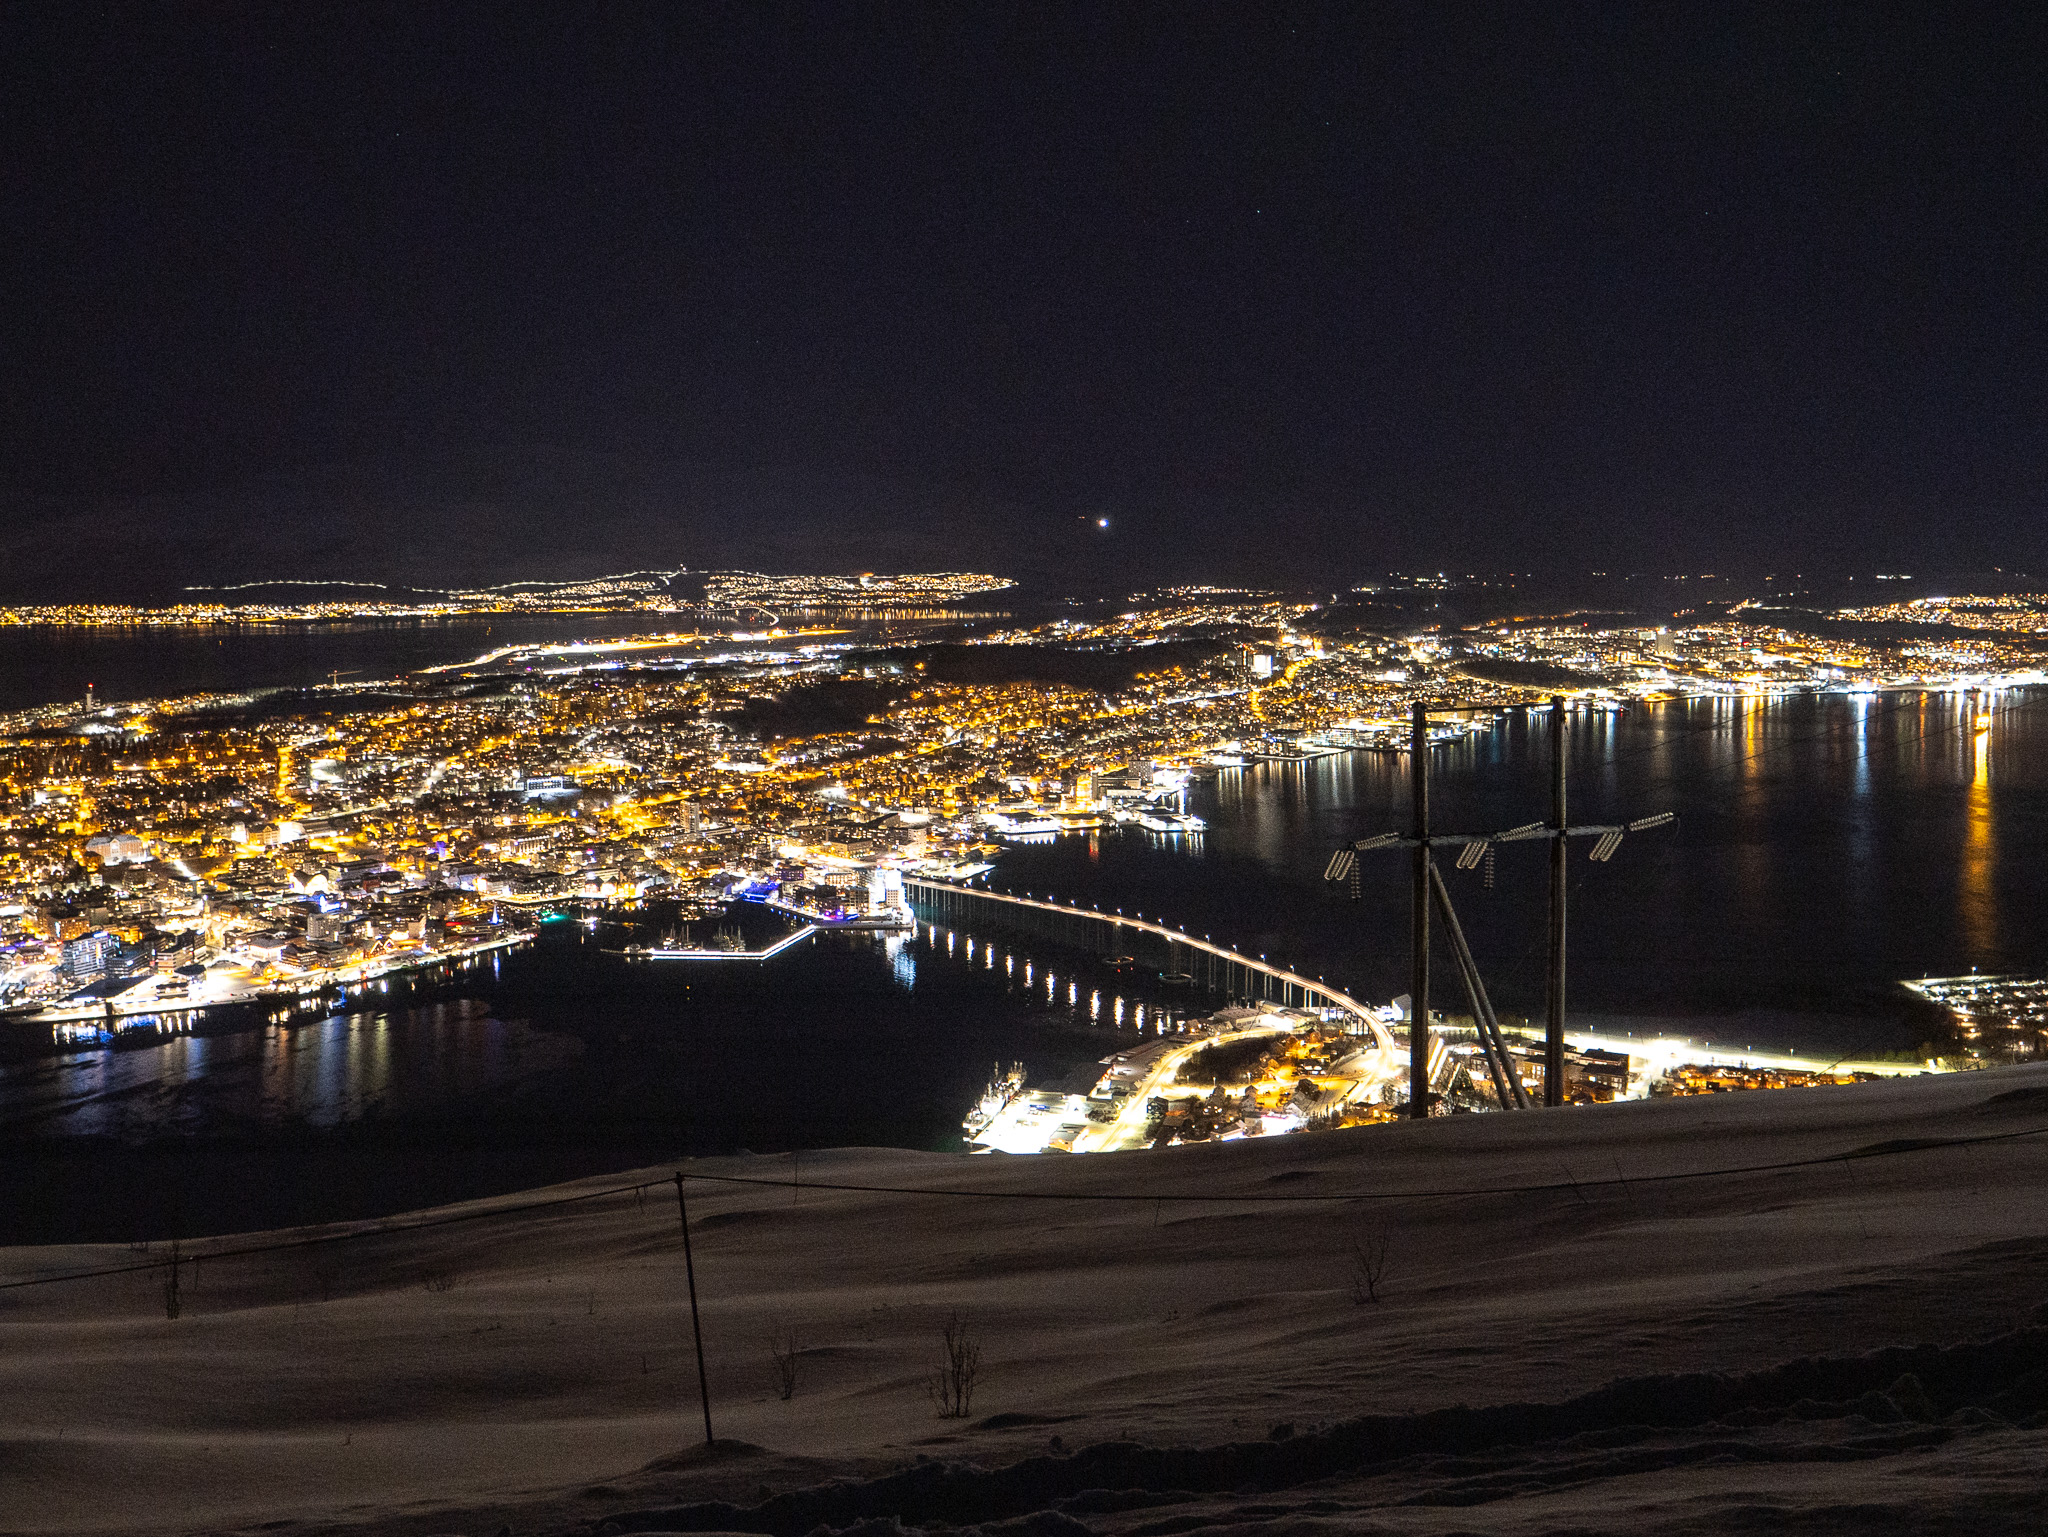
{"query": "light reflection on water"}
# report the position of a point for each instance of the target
(1979, 905)
(321, 1074)
(580, 1063)
(1828, 846)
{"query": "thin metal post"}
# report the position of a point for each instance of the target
(696, 1327)
(1553, 1032)
(1418, 986)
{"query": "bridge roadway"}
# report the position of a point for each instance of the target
(1312, 991)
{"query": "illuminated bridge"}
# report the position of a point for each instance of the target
(1218, 967)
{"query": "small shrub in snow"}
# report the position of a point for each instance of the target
(952, 1385)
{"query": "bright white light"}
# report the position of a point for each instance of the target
(1102, 522)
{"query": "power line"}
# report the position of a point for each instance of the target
(1882, 1150)
(1518, 969)
(386, 1230)
(1202, 1198)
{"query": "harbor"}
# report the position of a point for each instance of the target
(167, 1001)
(1271, 1071)
(893, 1029)
(886, 914)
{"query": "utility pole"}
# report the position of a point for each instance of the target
(1418, 983)
(1553, 1030)
(1473, 849)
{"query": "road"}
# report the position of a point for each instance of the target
(1131, 1128)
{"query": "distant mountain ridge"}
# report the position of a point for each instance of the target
(481, 518)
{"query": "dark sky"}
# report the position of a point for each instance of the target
(1278, 288)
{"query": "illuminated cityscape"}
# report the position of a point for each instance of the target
(863, 592)
(162, 856)
(1042, 771)
(626, 592)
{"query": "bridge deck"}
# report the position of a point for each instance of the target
(1310, 987)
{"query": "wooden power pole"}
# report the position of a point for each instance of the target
(1553, 1025)
(1429, 886)
(1418, 982)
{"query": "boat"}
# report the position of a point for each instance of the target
(1002, 1088)
(960, 870)
(1033, 828)
(1161, 820)
(1021, 821)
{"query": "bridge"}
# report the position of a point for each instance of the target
(1220, 968)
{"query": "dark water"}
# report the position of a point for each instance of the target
(568, 1061)
(1827, 847)
(39, 665)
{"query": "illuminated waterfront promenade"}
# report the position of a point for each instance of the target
(145, 1004)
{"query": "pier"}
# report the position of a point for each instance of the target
(673, 953)
(893, 921)
(1217, 967)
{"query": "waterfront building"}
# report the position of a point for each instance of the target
(89, 955)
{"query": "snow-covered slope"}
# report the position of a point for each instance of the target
(1669, 1316)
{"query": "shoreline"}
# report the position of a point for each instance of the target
(313, 986)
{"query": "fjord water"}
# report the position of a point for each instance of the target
(45, 664)
(1827, 846)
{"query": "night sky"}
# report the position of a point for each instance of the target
(1290, 292)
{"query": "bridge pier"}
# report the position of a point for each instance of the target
(1236, 975)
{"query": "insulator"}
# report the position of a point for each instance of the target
(1487, 872)
(1604, 849)
(1341, 864)
(1471, 854)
